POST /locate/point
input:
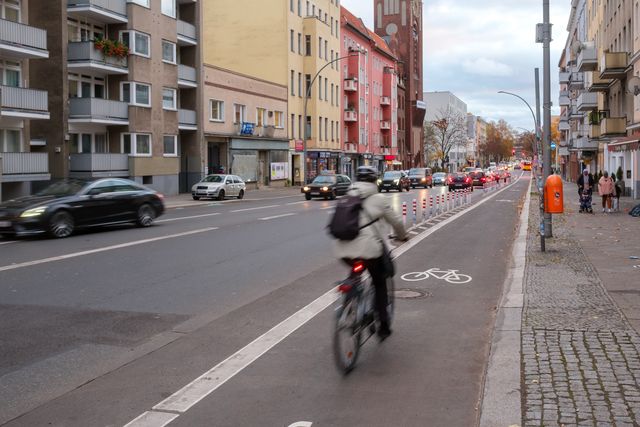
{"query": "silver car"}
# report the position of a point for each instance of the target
(218, 187)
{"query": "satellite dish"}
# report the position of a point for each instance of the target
(633, 85)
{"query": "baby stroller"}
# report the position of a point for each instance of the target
(586, 202)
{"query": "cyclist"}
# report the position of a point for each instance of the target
(369, 245)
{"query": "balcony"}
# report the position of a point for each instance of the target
(614, 65)
(350, 85)
(564, 125)
(385, 100)
(19, 41)
(106, 11)
(593, 83)
(96, 110)
(187, 77)
(187, 34)
(385, 125)
(187, 120)
(575, 114)
(585, 143)
(564, 100)
(587, 101)
(350, 116)
(84, 58)
(24, 103)
(587, 59)
(20, 167)
(576, 80)
(98, 165)
(613, 126)
(564, 77)
(594, 131)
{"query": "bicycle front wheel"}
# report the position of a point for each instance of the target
(346, 339)
(391, 295)
(457, 279)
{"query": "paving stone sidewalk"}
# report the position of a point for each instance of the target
(580, 356)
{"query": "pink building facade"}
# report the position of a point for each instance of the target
(369, 98)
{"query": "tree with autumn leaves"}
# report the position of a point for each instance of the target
(447, 131)
(499, 142)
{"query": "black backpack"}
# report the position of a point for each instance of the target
(635, 211)
(345, 224)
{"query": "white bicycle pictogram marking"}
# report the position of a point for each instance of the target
(451, 276)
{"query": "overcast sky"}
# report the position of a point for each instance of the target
(475, 48)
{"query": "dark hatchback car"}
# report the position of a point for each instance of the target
(394, 180)
(479, 178)
(421, 177)
(327, 186)
(64, 206)
(459, 180)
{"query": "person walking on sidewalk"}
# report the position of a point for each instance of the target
(606, 189)
(619, 190)
(585, 189)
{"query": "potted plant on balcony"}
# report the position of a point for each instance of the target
(114, 48)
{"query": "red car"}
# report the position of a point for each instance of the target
(479, 178)
(459, 180)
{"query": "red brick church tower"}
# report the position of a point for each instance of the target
(399, 22)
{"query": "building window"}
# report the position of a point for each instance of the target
(10, 141)
(278, 119)
(169, 8)
(11, 10)
(307, 78)
(168, 52)
(170, 144)
(291, 35)
(138, 94)
(326, 86)
(300, 84)
(320, 47)
(299, 8)
(169, 99)
(136, 144)
(320, 88)
(239, 113)
(138, 43)
(291, 5)
(326, 129)
(261, 117)
(326, 50)
(217, 110)
(332, 25)
(332, 131)
(144, 3)
(320, 129)
(292, 84)
(332, 93)
(293, 126)
(299, 44)
(307, 41)
(10, 73)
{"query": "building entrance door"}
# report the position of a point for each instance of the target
(213, 159)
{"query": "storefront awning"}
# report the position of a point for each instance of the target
(624, 144)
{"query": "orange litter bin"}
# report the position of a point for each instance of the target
(553, 195)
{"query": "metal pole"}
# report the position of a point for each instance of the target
(546, 147)
(538, 154)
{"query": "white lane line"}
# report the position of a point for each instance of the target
(106, 248)
(182, 400)
(153, 419)
(255, 209)
(328, 207)
(267, 218)
(8, 243)
(297, 203)
(187, 217)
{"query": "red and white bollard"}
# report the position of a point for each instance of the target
(404, 212)
(415, 210)
(448, 201)
(442, 205)
(431, 207)
(424, 208)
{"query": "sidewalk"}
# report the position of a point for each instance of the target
(580, 351)
(264, 193)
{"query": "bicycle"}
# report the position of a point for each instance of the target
(450, 276)
(356, 319)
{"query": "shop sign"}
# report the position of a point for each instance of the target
(367, 156)
(378, 157)
(299, 145)
(389, 158)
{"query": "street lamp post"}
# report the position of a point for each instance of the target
(306, 99)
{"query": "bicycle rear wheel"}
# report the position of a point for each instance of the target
(346, 339)
(391, 295)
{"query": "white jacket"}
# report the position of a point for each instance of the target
(368, 244)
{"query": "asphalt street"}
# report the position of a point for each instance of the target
(101, 327)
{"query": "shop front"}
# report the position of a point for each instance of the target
(319, 162)
(260, 162)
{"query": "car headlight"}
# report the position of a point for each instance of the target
(305, 189)
(379, 181)
(30, 213)
(424, 180)
(325, 188)
(397, 181)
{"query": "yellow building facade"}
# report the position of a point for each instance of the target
(286, 42)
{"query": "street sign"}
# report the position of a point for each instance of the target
(553, 145)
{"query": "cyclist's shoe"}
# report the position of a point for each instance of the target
(383, 332)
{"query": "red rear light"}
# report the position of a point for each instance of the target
(344, 288)
(358, 267)
(483, 179)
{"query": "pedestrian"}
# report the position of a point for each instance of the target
(619, 190)
(585, 189)
(606, 189)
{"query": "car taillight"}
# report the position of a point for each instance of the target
(483, 179)
(344, 288)
(358, 267)
(468, 179)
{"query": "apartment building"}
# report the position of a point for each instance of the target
(292, 43)
(369, 98)
(23, 159)
(123, 83)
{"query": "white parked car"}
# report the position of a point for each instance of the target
(218, 187)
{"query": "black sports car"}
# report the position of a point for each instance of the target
(69, 204)
(327, 186)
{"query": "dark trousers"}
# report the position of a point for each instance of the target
(379, 280)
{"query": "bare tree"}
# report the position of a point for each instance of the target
(431, 152)
(449, 132)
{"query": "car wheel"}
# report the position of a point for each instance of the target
(146, 215)
(333, 195)
(196, 198)
(413, 186)
(240, 194)
(61, 225)
(221, 195)
(307, 196)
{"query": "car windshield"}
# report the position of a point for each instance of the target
(324, 179)
(214, 178)
(438, 175)
(392, 175)
(477, 174)
(416, 171)
(63, 188)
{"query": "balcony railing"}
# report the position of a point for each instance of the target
(385, 100)
(563, 125)
(613, 126)
(25, 164)
(585, 143)
(109, 11)
(22, 102)
(385, 125)
(83, 56)
(614, 65)
(594, 83)
(97, 110)
(576, 80)
(350, 85)
(187, 33)
(564, 77)
(350, 116)
(564, 98)
(187, 119)
(187, 76)
(587, 59)
(99, 164)
(22, 41)
(594, 132)
(587, 101)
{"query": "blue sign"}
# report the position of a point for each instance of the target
(553, 145)
(246, 129)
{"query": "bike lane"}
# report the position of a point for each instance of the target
(429, 372)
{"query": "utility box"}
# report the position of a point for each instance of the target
(553, 195)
